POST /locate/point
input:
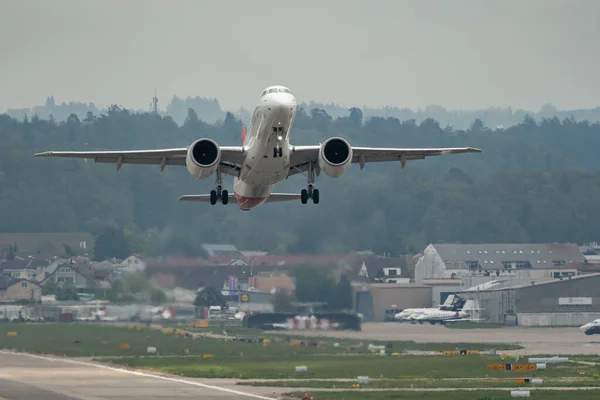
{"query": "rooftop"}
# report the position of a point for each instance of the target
(492, 256)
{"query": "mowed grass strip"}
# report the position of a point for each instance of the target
(283, 366)
(90, 339)
(423, 383)
(95, 340)
(446, 395)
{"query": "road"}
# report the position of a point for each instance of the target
(26, 377)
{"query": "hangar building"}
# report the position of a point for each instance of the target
(569, 301)
(523, 261)
(378, 302)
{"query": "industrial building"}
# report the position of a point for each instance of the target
(523, 261)
(568, 301)
(378, 302)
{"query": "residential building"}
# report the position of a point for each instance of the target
(131, 264)
(82, 276)
(381, 270)
(19, 289)
(272, 282)
(221, 250)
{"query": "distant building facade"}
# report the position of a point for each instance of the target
(526, 261)
(19, 289)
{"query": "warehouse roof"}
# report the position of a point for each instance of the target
(491, 256)
(549, 282)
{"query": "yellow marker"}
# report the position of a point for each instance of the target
(11, 333)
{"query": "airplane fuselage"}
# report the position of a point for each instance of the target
(266, 148)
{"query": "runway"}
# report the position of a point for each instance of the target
(26, 377)
(534, 340)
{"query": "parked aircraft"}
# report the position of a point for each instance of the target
(410, 314)
(591, 328)
(443, 316)
(265, 157)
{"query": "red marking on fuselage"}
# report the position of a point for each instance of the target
(246, 203)
(243, 134)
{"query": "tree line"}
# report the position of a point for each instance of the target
(536, 181)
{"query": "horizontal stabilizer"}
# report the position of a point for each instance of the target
(273, 198)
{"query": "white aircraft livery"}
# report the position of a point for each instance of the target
(265, 157)
(591, 328)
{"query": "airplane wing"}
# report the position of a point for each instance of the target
(273, 198)
(303, 155)
(231, 157)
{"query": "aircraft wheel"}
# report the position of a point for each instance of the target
(213, 197)
(225, 197)
(315, 196)
(304, 196)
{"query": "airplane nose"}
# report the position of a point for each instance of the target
(281, 100)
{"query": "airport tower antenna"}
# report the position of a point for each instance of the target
(154, 105)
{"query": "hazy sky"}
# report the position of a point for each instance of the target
(458, 54)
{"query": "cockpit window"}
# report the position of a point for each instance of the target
(275, 90)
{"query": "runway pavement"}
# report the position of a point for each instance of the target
(534, 340)
(26, 377)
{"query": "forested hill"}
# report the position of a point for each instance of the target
(536, 181)
(209, 110)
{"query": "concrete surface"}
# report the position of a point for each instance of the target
(534, 340)
(26, 377)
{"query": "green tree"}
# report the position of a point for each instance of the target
(111, 243)
(283, 301)
(67, 292)
(50, 288)
(313, 284)
(343, 295)
(208, 297)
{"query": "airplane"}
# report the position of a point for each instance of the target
(452, 302)
(265, 157)
(591, 328)
(444, 316)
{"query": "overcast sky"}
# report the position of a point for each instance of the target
(458, 54)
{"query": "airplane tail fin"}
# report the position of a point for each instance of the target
(243, 134)
(469, 306)
(448, 301)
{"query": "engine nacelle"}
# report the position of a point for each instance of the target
(203, 158)
(335, 156)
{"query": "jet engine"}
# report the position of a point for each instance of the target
(335, 156)
(203, 158)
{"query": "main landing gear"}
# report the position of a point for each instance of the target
(310, 193)
(219, 193)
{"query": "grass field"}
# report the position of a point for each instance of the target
(421, 371)
(277, 360)
(447, 395)
(426, 383)
(87, 340)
